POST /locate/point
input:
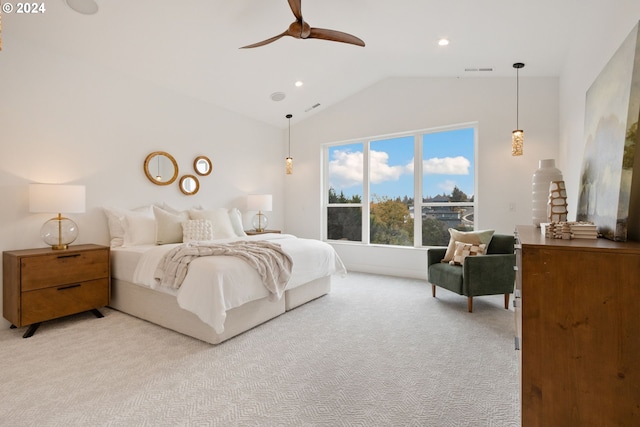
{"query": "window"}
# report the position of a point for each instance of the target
(372, 186)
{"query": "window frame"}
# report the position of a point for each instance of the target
(418, 202)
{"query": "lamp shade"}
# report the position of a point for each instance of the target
(54, 198)
(259, 202)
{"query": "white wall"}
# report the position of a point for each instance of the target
(67, 121)
(590, 53)
(401, 104)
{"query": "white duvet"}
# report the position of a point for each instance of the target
(215, 284)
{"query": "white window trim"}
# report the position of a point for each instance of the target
(418, 179)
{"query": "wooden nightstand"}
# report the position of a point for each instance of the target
(44, 284)
(254, 232)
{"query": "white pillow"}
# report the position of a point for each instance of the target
(220, 221)
(139, 229)
(196, 229)
(115, 220)
(169, 225)
(173, 210)
(236, 222)
(473, 237)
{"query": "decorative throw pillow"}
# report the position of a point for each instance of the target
(220, 222)
(196, 229)
(169, 225)
(464, 250)
(473, 237)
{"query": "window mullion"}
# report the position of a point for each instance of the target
(366, 203)
(417, 190)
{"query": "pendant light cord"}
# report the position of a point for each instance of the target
(289, 117)
(517, 66)
(517, 97)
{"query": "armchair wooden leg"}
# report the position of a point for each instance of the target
(433, 291)
(506, 301)
(470, 304)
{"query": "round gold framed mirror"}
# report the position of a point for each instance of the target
(189, 185)
(202, 165)
(161, 168)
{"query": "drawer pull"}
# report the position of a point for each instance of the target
(68, 256)
(62, 288)
(517, 342)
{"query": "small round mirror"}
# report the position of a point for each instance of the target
(202, 165)
(189, 185)
(161, 168)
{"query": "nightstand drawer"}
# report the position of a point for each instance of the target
(49, 303)
(58, 269)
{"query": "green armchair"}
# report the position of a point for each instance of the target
(489, 274)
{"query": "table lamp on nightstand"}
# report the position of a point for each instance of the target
(57, 232)
(259, 202)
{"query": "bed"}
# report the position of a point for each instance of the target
(220, 296)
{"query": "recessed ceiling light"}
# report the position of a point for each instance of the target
(443, 42)
(299, 83)
(86, 7)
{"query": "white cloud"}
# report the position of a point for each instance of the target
(381, 171)
(446, 165)
(345, 168)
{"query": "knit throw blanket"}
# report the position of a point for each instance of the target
(271, 262)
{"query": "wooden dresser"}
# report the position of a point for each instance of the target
(578, 328)
(44, 284)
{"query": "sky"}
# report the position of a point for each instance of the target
(448, 161)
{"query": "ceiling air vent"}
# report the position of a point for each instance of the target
(278, 96)
(316, 105)
(479, 69)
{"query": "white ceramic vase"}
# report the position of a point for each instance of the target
(541, 180)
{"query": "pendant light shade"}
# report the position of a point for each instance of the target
(517, 136)
(288, 161)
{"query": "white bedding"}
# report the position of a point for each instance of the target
(215, 284)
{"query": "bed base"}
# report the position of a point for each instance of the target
(304, 293)
(163, 309)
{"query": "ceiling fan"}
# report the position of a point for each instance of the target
(299, 29)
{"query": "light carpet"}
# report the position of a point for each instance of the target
(376, 351)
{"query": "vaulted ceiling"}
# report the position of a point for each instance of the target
(192, 47)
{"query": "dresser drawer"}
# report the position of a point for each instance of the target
(59, 269)
(63, 300)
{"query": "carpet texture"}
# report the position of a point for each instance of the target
(376, 351)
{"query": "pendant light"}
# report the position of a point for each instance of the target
(517, 136)
(288, 162)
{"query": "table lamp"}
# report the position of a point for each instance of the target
(259, 202)
(58, 232)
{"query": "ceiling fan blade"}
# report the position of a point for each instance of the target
(267, 41)
(334, 36)
(296, 8)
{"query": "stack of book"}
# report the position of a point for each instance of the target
(571, 230)
(583, 230)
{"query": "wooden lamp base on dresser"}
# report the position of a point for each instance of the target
(578, 325)
(44, 284)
